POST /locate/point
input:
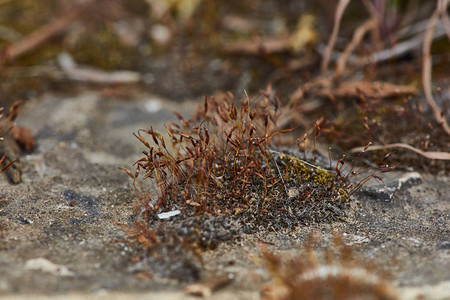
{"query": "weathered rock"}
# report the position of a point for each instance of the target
(393, 182)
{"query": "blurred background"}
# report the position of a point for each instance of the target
(188, 48)
(184, 49)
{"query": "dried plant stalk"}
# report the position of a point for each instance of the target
(445, 18)
(337, 22)
(360, 32)
(43, 34)
(427, 154)
(377, 42)
(426, 67)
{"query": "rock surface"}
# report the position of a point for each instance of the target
(63, 215)
(393, 183)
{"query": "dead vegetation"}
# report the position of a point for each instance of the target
(324, 275)
(218, 175)
(376, 109)
(8, 144)
(220, 162)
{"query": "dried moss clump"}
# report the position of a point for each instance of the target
(218, 170)
(220, 163)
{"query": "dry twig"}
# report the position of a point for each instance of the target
(94, 75)
(426, 67)
(301, 91)
(376, 35)
(258, 47)
(445, 20)
(42, 34)
(370, 89)
(427, 154)
(369, 25)
(337, 22)
(346, 89)
(398, 50)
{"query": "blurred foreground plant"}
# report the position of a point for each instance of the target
(6, 124)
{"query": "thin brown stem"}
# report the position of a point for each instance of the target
(337, 22)
(360, 32)
(426, 66)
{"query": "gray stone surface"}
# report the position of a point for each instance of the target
(392, 183)
(59, 235)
